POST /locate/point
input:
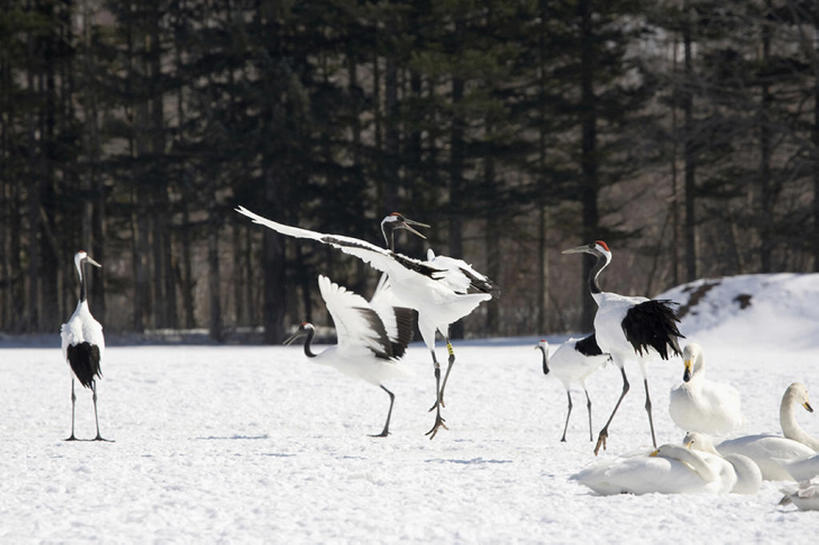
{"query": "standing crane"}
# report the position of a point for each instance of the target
(371, 340)
(628, 327)
(83, 344)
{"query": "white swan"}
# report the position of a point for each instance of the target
(671, 469)
(805, 497)
(771, 452)
(700, 405)
(747, 477)
(803, 469)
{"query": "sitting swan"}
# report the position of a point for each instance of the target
(671, 469)
(700, 405)
(747, 477)
(771, 452)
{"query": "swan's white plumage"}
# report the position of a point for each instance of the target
(803, 469)
(741, 470)
(770, 452)
(674, 470)
(701, 405)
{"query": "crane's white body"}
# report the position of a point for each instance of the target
(701, 405)
(436, 291)
(611, 311)
(673, 470)
(358, 341)
(571, 367)
(81, 327)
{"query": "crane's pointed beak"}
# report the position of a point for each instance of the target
(408, 225)
(293, 337)
(92, 262)
(579, 250)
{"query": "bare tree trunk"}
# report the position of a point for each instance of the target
(456, 168)
(815, 138)
(765, 194)
(238, 290)
(273, 266)
(589, 183)
(493, 250)
(674, 204)
(390, 179)
(689, 154)
(188, 282)
(216, 325)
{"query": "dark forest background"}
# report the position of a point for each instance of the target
(684, 133)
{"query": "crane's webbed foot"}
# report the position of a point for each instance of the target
(601, 440)
(439, 423)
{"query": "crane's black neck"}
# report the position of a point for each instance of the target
(83, 290)
(545, 360)
(389, 240)
(309, 339)
(599, 265)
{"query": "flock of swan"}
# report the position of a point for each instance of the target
(705, 408)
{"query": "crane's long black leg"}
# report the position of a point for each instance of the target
(451, 360)
(604, 433)
(566, 426)
(439, 422)
(588, 406)
(96, 419)
(386, 431)
(73, 403)
(648, 410)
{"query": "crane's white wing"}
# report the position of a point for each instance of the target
(357, 324)
(378, 258)
(459, 275)
(399, 321)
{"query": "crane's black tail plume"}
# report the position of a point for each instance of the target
(653, 324)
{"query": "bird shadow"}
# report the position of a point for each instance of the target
(470, 461)
(232, 437)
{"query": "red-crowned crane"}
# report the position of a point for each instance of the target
(628, 327)
(371, 340)
(440, 295)
(83, 344)
(571, 363)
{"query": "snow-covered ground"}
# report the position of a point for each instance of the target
(241, 444)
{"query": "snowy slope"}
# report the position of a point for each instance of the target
(257, 445)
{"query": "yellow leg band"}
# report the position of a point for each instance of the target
(449, 349)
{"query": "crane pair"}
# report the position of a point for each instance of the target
(441, 290)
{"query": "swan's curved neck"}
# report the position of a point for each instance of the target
(309, 339)
(545, 360)
(790, 427)
(696, 462)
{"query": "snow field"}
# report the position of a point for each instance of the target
(257, 445)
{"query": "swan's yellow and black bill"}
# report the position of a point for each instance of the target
(687, 372)
(807, 407)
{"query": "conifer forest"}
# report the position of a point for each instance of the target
(684, 133)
